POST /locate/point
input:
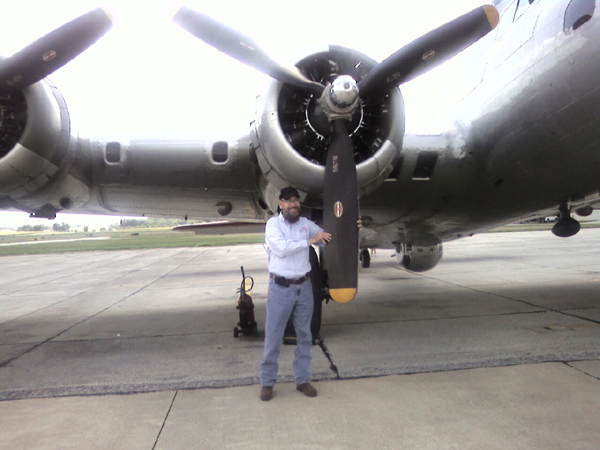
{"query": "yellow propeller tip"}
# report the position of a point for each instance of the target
(171, 9)
(112, 12)
(342, 295)
(492, 14)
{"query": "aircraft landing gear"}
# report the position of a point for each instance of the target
(317, 279)
(365, 258)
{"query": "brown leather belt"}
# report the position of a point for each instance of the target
(291, 281)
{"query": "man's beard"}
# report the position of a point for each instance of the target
(289, 217)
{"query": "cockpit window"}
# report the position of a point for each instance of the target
(522, 7)
(578, 12)
(506, 19)
(511, 12)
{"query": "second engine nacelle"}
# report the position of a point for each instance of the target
(38, 153)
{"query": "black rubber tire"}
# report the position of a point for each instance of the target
(316, 279)
(365, 259)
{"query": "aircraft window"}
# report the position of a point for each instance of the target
(220, 152)
(396, 171)
(113, 152)
(425, 165)
(506, 20)
(578, 12)
(522, 7)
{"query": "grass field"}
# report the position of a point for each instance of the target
(31, 243)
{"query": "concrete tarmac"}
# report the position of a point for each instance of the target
(497, 347)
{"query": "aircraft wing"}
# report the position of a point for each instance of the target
(332, 126)
(523, 141)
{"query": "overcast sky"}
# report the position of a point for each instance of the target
(147, 76)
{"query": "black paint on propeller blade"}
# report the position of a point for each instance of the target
(44, 56)
(340, 214)
(430, 50)
(241, 47)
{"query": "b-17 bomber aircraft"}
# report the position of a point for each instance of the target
(523, 140)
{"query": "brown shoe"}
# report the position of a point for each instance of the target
(266, 393)
(308, 389)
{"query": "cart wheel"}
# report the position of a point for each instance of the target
(236, 332)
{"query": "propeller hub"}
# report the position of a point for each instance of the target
(344, 91)
(340, 99)
(319, 120)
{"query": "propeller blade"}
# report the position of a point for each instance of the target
(430, 50)
(340, 214)
(44, 56)
(235, 44)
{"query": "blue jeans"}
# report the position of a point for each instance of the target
(297, 301)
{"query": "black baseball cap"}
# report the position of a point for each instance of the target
(288, 192)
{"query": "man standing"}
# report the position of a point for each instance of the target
(288, 237)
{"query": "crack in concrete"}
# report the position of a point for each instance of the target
(165, 420)
(567, 363)
(432, 319)
(545, 308)
(8, 361)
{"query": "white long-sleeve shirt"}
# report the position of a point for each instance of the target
(287, 246)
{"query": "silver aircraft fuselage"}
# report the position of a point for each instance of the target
(524, 140)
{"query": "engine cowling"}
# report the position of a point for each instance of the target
(419, 258)
(291, 132)
(37, 152)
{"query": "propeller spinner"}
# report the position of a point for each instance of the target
(339, 101)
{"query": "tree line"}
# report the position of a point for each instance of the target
(148, 223)
(55, 227)
(122, 224)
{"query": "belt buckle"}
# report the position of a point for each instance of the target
(281, 281)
